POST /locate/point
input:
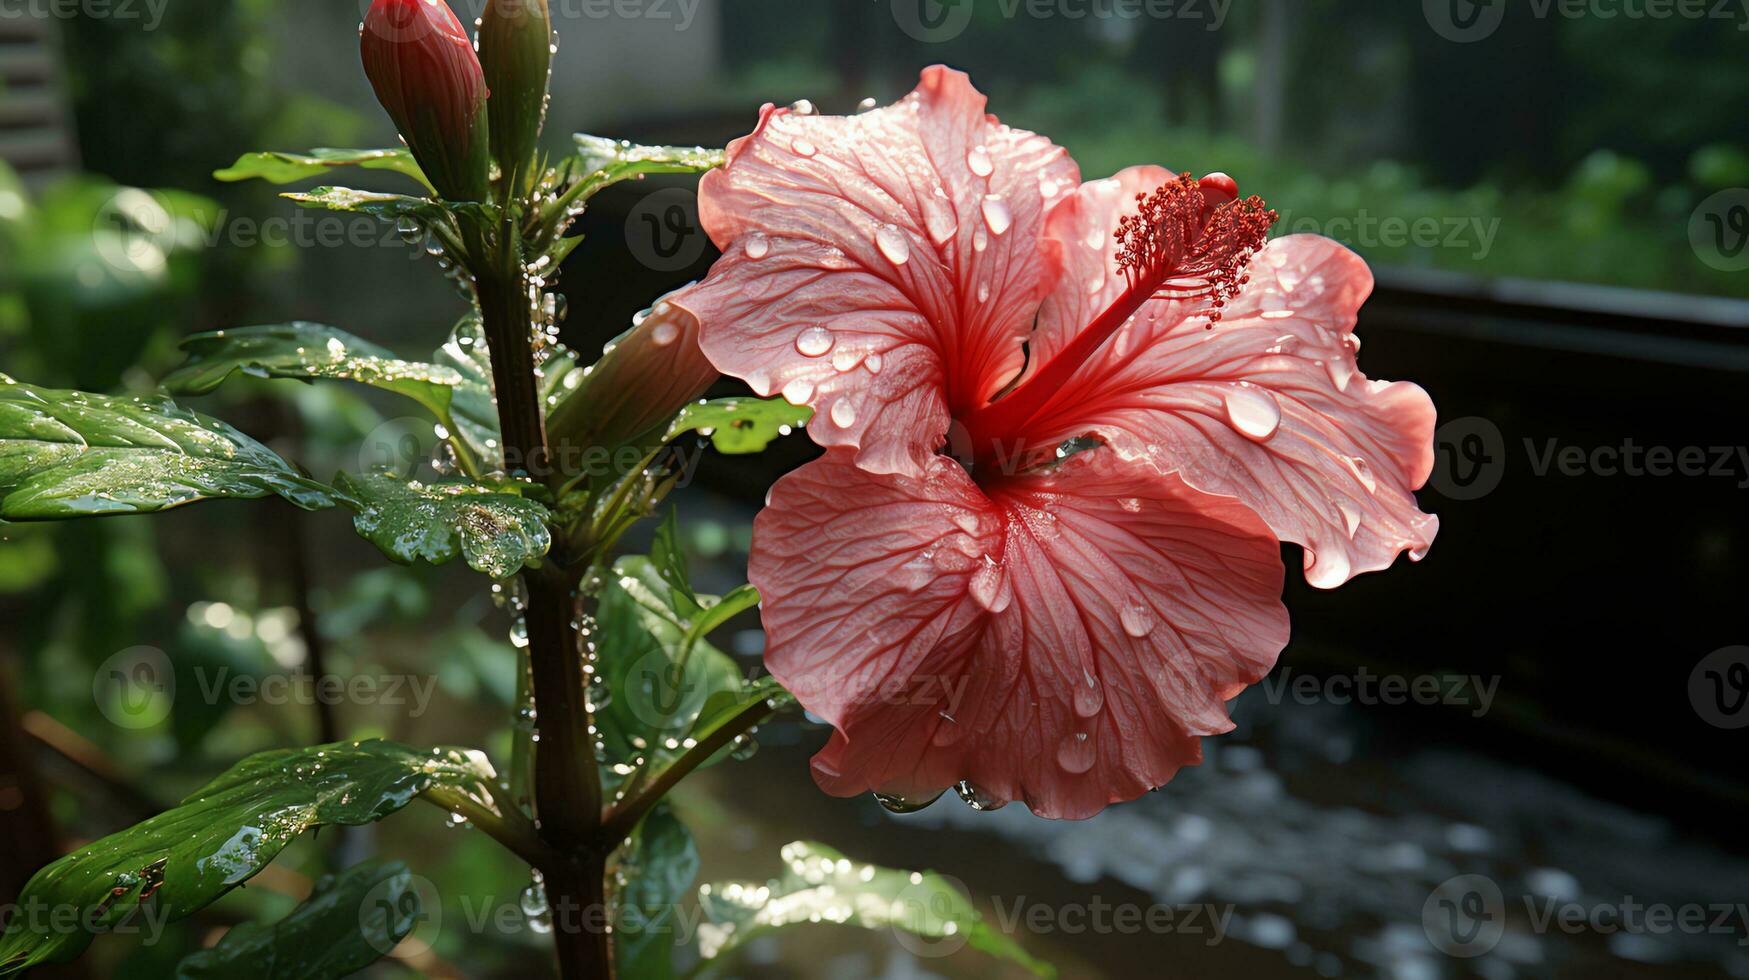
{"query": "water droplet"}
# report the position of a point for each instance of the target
(815, 341)
(893, 244)
(866, 105)
(1137, 617)
(978, 159)
(798, 391)
(665, 333)
(843, 413)
(897, 803)
(804, 147)
(1277, 314)
(983, 292)
(976, 798)
(873, 363)
(1362, 472)
(997, 215)
(1328, 569)
(846, 359)
(1089, 695)
(1075, 753)
(1341, 371)
(939, 220)
(1253, 412)
(1350, 519)
(758, 246)
(804, 107)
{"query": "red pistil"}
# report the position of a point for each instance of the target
(1188, 240)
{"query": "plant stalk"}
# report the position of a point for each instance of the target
(567, 788)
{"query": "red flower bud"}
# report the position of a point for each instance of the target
(426, 74)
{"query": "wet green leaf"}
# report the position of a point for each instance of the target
(390, 207)
(494, 528)
(287, 168)
(305, 351)
(660, 690)
(74, 454)
(185, 858)
(740, 425)
(819, 884)
(349, 922)
(603, 162)
(658, 865)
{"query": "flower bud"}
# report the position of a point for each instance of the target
(516, 48)
(426, 74)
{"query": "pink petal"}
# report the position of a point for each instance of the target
(1064, 641)
(883, 267)
(646, 375)
(1267, 406)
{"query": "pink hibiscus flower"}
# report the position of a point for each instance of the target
(1067, 426)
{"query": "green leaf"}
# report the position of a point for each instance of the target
(389, 207)
(349, 922)
(738, 426)
(74, 454)
(604, 162)
(305, 351)
(660, 692)
(287, 168)
(218, 838)
(658, 865)
(495, 529)
(819, 884)
(668, 556)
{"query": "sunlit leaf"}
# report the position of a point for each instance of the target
(305, 351)
(818, 884)
(389, 207)
(350, 921)
(74, 454)
(657, 865)
(185, 858)
(740, 425)
(496, 530)
(287, 168)
(603, 162)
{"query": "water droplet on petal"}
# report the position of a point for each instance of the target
(1277, 314)
(1328, 569)
(873, 363)
(1350, 518)
(758, 246)
(866, 105)
(798, 391)
(896, 803)
(1075, 753)
(939, 220)
(1253, 412)
(978, 159)
(804, 107)
(804, 147)
(846, 359)
(843, 413)
(815, 341)
(1137, 617)
(983, 292)
(665, 333)
(1089, 696)
(997, 215)
(1362, 472)
(1341, 371)
(893, 244)
(976, 798)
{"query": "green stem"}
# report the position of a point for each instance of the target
(514, 832)
(625, 817)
